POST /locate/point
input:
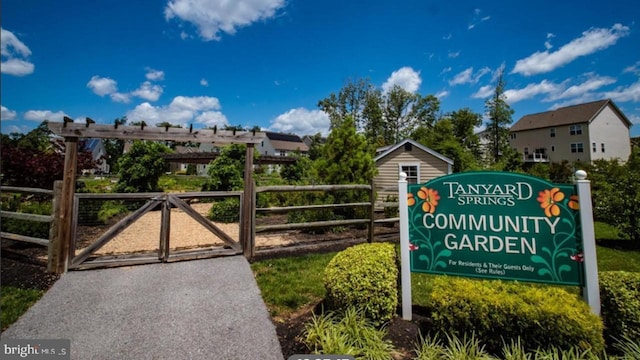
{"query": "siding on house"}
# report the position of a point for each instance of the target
(430, 166)
(601, 125)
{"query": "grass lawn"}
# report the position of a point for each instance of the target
(14, 302)
(290, 284)
(168, 183)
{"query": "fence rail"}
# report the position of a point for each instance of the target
(25, 216)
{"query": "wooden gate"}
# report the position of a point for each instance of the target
(87, 257)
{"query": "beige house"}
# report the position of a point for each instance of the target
(420, 163)
(584, 132)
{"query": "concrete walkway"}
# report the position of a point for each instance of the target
(204, 309)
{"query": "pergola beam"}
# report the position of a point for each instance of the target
(76, 130)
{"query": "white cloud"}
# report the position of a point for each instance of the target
(483, 92)
(529, 91)
(204, 82)
(593, 82)
(213, 16)
(591, 41)
(625, 93)
(635, 68)
(14, 55)
(301, 121)
(635, 119)
(453, 54)
(7, 114)
(405, 77)
(41, 115)
(180, 111)
(102, 86)
(148, 91)
(154, 75)
(468, 77)
(442, 94)
(120, 97)
(477, 19)
(212, 118)
(547, 44)
(447, 37)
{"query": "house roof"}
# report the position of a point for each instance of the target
(384, 151)
(289, 142)
(575, 114)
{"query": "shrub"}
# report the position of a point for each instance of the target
(110, 209)
(498, 312)
(26, 227)
(365, 277)
(349, 333)
(226, 211)
(620, 298)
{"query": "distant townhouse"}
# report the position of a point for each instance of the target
(584, 132)
(278, 144)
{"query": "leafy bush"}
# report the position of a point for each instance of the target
(226, 211)
(499, 312)
(347, 334)
(111, 208)
(365, 277)
(25, 227)
(620, 298)
(141, 167)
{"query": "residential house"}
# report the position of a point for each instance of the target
(278, 144)
(419, 162)
(99, 155)
(584, 132)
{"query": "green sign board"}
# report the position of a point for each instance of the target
(496, 225)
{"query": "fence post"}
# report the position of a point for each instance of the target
(405, 266)
(66, 203)
(372, 211)
(53, 258)
(247, 201)
(591, 291)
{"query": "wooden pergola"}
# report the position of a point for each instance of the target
(72, 132)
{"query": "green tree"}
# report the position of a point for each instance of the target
(348, 102)
(499, 113)
(298, 171)
(346, 157)
(141, 167)
(441, 138)
(226, 172)
(464, 123)
(404, 112)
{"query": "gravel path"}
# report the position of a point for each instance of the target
(186, 233)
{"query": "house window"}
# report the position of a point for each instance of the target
(602, 147)
(577, 148)
(512, 136)
(553, 148)
(526, 151)
(594, 147)
(412, 173)
(283, 153)
(575, 130)
(552, 132)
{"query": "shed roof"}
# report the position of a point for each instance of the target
(389, 149)
(575, 114)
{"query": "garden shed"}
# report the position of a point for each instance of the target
(419, 162)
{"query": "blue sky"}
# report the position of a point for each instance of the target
(269, 62)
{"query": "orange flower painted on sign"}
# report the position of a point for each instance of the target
(574, 204)
(410, 199)
(430, 198)
(548, 200)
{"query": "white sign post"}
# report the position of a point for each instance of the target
(591, 291)
(405, 266)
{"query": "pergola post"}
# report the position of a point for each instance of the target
(66, 204)
(246, 233)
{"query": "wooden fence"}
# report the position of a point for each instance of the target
(51, 219)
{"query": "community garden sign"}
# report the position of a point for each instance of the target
(494, 225)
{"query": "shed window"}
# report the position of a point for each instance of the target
(412, 173)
